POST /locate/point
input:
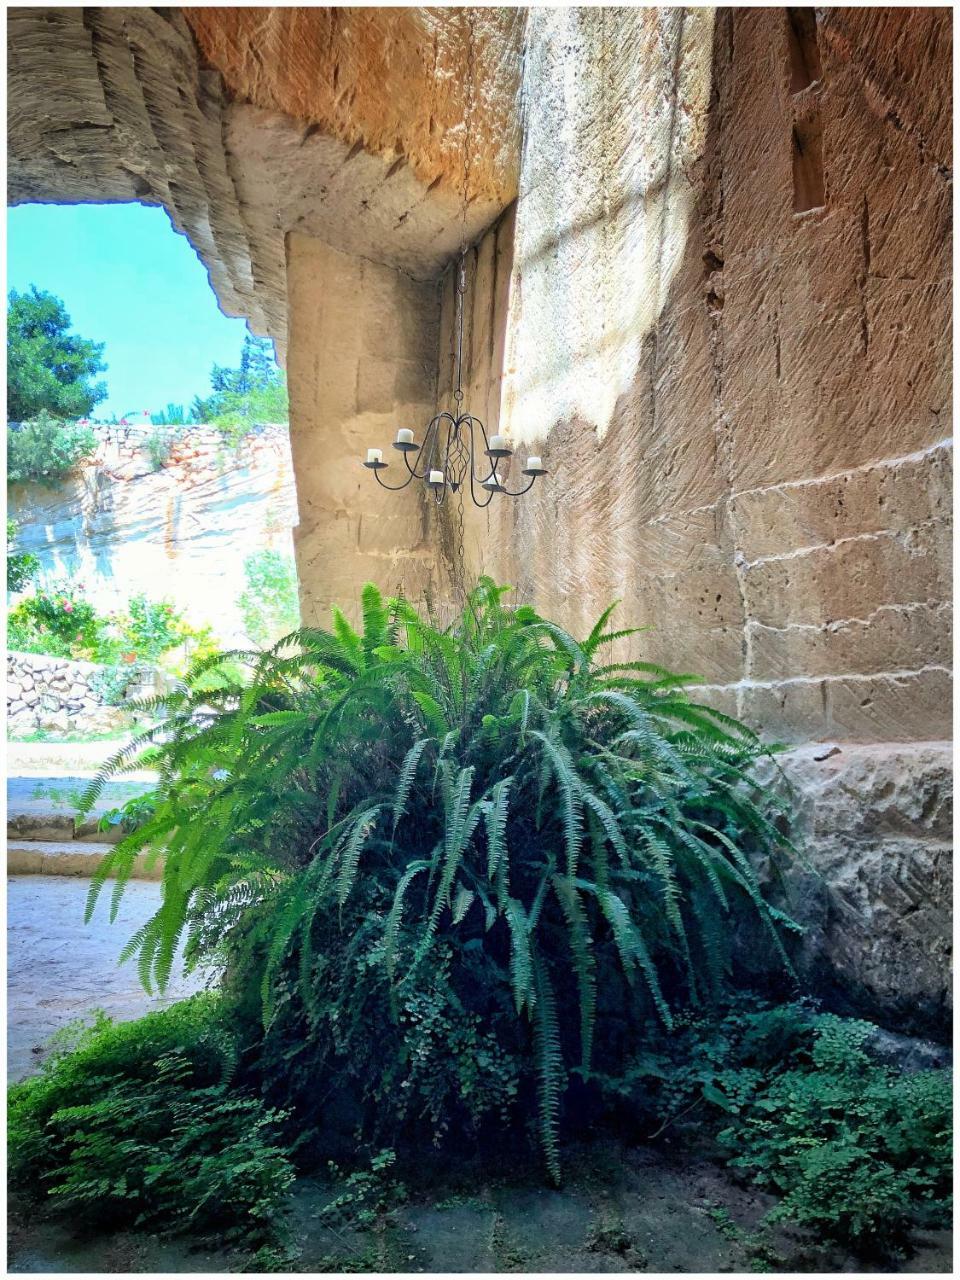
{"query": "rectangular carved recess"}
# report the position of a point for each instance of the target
(809, 188)
(805, 66)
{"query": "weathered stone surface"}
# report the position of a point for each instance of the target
(875, 825)
(351, 392)
(61, 695)
(719, 309)
(119, 104)
(768, 482)
(183, 535)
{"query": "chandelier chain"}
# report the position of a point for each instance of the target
(456, 453)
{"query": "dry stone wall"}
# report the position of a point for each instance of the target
(177, 526)
(57, 694)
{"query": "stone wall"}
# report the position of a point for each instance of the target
(362, 360)
(720, 310)
(744, 405)
(59, 695)
(876, 894)
(178, 528)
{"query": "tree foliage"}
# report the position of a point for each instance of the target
(22, 566)
(269, 604)
(44, 451)
(248, 396)
(49, 369)
(449, 868)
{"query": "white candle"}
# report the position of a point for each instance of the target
(533, 464)
(498, 442)
(436, 477)
(492, 482)
(404, 436)
(374, 455)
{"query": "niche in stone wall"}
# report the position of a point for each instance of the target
(805, 68)
(809, 188)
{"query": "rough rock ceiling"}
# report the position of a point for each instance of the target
(351, 130)
(403, 83)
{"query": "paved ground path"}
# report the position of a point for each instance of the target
(59, 969)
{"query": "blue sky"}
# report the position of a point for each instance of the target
(130, 281)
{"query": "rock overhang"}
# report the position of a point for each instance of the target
(364, 128)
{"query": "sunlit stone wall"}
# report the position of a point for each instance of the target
(362, 360)
(726, 328)
(720, 310)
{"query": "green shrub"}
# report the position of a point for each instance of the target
(56, 620)
(111, 683)
(857, 1151)
(270, 605)
(449, 865)
(172, 416)
(158, 446)
(22, 566)
(46, 450)
(151, 627)
(137, 1123)
(240, 413)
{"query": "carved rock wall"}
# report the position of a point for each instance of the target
(743, 404)
(123, 524)
(875, 827)
(720, 310)
(327, 137)
(362, 361)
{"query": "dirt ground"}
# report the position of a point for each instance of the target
(621, 1209)
(59, 969)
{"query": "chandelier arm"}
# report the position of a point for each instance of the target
(425, 451)
(469, 421)
(394, 488)
(520, 492)
(492, 461)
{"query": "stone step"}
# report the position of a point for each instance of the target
(44, 808)
(68, 858)
(59, 827)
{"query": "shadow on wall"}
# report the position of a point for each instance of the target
(771, 496)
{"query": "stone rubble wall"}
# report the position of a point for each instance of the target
(123, 525)
(59, 694)
(873, 882)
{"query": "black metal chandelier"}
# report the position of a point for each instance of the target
(455, 445)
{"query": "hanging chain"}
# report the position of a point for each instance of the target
(461, 279)
(459, 567)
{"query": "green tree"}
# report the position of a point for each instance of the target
(48, 367)
(22, 566)
(245, 397)
(269, 605)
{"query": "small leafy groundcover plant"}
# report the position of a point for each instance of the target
(450, 870)
(858, 1152)
(46, 450)
(140, 1123)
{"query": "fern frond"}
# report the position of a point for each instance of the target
(550, 1070)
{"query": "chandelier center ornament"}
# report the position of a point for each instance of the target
(457, 454)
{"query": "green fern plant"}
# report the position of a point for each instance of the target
(494, 801)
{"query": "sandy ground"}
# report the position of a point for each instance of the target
(66, 759)
(59, 969)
